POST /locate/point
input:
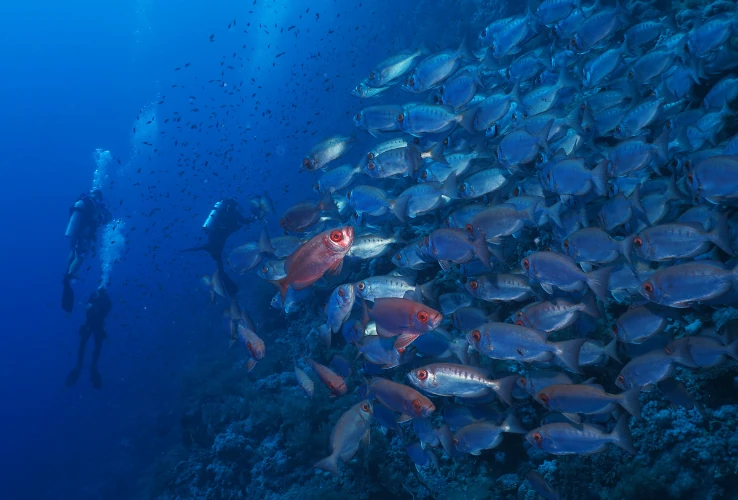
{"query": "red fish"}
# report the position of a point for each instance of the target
(331, 379)
(303, 215)
(321, 253)
(403, 318)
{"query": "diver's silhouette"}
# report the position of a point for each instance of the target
(98, 307)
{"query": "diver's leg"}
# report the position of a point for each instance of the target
(84, 336)
(94, 374)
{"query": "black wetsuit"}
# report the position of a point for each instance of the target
(98, 307)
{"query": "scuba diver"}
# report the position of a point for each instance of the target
(98, 307)
(225, 219)
(87, 214)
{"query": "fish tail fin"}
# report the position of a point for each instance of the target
(566, 80)
(504, 388)
(466, 119)
(265, 244)
(327, 202)
(543, 135)
(720, 235)
(621, 435)
(463, 50)
(460, 349)
(436, 153)
(481, 250)
(512, 425)
(630, 403)
(567, 353)
(635, 202)
(329, 463)
(589, 306)
(449, 186)
(732, 350)
(598, 281)
(324, 333)
(626, 249)
(399, 207)
(599, 178)
(426, 290)
(555, 211)
(611, 350)
(662, 148)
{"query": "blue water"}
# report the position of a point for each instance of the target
(76, 75)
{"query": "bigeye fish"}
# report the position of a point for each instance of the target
(419, 119)
(421, 457)
(248, 256)
(639, 324)
(592, 245)
(403, 318)
(573, 399)
(395, 162)
(448, 379)
(337, 178)
(479, 436)
(351, 429)
(715, 179)
(392, 68)
(304, 381)
(554, 270)
(370, 246)
(519, 343)
(454, 245)
(436, 68)
(376, 119)
(369, 199)
(326, 151)
(571, 177)
(272, 270)
(483, 182)
(520, 147)
(405, 400)
(375, 287)
(425, 197)
(583, 439)
(458, 91)
(381, 351)
(550, 12)
(685, 284)
(333, 381)
(365, 91)
(553, 316)
(321, 253)
(304, 215)
(680, 240)
(500, 287)
(254, 344)
(339, 306)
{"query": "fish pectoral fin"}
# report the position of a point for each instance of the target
(403, 418)
(250, 364)
(405, 340)
(445, 264)
(573, 417)
(366, 438)
(547, 288)
(336, 269)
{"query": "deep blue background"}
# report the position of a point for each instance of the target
(75, 77)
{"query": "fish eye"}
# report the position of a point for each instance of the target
(637, 241)
(264, 270)
(469, 228)
(422, 374)
(573, 42)
(445, 141)
(282, 222)
(358, 117)
(370, 156)
(371, 165)
(615, 330)
(648, 287)
(690, 176)
(483, 34)
(476, 335)
(401, 117)
(462, 188)
(587, 129)
(617, 129)
(365, 408)
(537, 437)
(516, 191)
(455, 442)
(336, 236)
(526, 264)
(583, 106)
(544, 399)
(330, 385)
(305, 162)
(341, 293)
(417, 406)
(361, 285)
(411, 82)
(424, 175)
(688, 166)
(474, 284)
(492, 46)
(539, 159)
(317, 186)
(440, 91)
(426, 241)
(621, 380)
(522, 381)
(612, 188)
(249, 347)
(566, 244)
(520, 322)
(548, 176)
(422, 317)
(416, 140)
(372, 76)
(630, 74)
(519, 350)
(398, 257)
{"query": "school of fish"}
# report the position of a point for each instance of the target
(499, 220)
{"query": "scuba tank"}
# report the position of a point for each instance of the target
(76, 218)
